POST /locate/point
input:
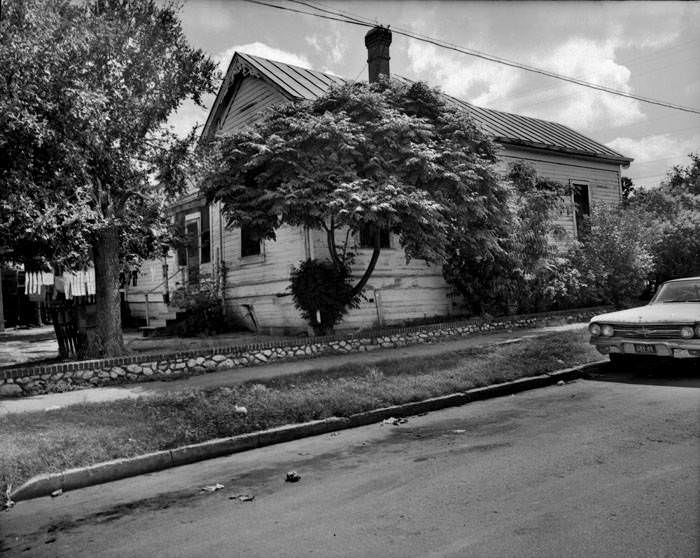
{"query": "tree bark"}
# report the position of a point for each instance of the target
(357, 289)
(332, 250)
(108, 341)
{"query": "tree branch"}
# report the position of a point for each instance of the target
(357, 289)
(330, 235)
(345, 245)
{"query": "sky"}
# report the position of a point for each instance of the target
(651, 49)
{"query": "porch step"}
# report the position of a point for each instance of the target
(151, 330)
(155, 325)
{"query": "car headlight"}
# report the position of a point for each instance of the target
(607, 330)
(687, 332)
(595, 329)
(697, 330)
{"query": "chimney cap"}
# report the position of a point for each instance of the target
(378, 35)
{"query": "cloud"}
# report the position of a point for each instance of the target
(506, 88)
(473, 80)
(265, 51)
(655, 147)
(655, 154)
(580, 107)
(330, 45)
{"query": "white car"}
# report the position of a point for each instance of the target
(669, 326)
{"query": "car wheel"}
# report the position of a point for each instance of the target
(623, 362)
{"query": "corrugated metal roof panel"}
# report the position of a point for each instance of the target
(301, 83)
(296, 81)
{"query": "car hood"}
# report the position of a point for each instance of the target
(665, 312)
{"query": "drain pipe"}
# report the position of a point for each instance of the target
(378, 305)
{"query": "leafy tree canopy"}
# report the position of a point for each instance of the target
(84, 92)
(384, 156)
(672, 212)
(514, 269)
(85, 162)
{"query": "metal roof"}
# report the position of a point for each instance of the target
(504, 127)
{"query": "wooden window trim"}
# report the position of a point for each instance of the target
(251, 258)
(389, 245)
(573, 184)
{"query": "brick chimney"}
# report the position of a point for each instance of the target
(377, 41)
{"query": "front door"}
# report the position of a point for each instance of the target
(192, 230)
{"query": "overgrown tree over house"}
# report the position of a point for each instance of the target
(387, 156)
(85, 162)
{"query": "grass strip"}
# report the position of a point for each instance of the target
(84, 434)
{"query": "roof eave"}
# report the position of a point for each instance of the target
(620, 160)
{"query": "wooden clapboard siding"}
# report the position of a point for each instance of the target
(149, 277)
(603, 179)
(262, 281)
(253, 95)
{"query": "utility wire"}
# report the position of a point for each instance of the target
(363, 22)
(344, 19)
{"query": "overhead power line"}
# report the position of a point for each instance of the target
(343, 17)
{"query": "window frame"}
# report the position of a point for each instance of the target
(254, 257)
(195, 217)
(574, 184)
(389, 241)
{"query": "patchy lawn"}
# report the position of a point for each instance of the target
(50, 441)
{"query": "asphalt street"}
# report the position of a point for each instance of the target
(604, 467)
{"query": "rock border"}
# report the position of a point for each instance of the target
(162, 366)
(44, 485)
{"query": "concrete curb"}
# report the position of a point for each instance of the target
(44, 485)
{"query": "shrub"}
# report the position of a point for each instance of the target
(204, 314)
(511, 276)
(614, 256)
(322, 292)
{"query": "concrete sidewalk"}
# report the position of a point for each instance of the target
(266, 371)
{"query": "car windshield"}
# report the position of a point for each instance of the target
(678, 291)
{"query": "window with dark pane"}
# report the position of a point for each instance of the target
(367, 237)
(582, 206)
(250, 246)
(182, 247)
(205, 235)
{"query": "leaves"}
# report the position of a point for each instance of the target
(84, 94)
(502, 256)
(390, 156)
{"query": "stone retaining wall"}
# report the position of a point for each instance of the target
(148, 367)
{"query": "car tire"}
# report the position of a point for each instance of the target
(623, 362)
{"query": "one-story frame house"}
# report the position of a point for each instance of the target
(255, 275)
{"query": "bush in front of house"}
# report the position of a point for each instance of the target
(322, 292)
(614, 257)
(204, 313)
(513, 273)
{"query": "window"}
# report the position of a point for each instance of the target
(195, 235)
(582, 206)
(250, 246)
(205, 235)
(367, 237)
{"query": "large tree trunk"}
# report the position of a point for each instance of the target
(108, 340)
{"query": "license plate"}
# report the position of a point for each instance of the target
(646, 349)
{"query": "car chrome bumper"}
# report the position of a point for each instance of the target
(675, 348)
